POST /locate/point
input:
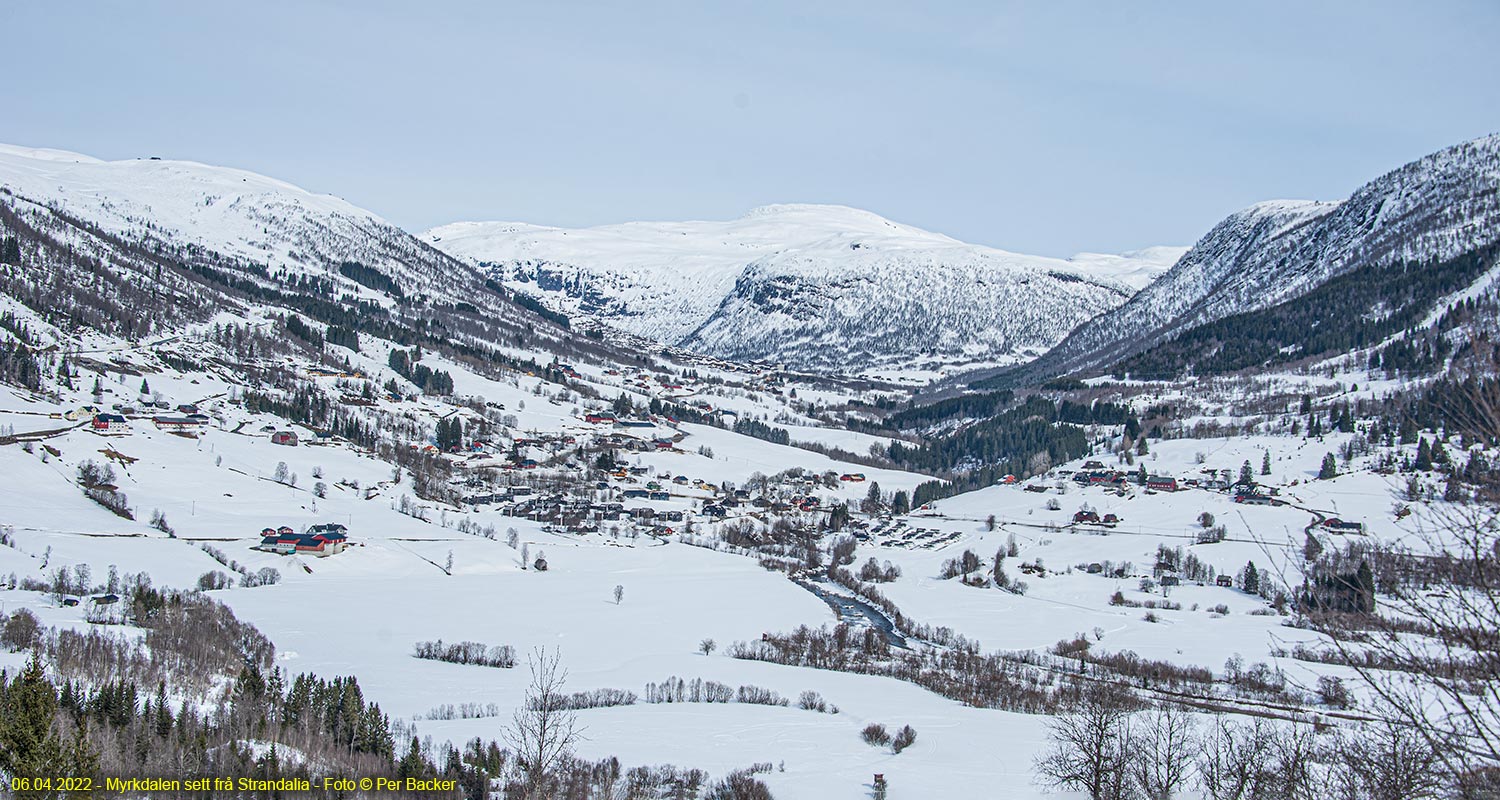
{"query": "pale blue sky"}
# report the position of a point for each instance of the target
(1046, 127)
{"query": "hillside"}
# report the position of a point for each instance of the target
(823, 288)
(102, 241)
(1432, 210)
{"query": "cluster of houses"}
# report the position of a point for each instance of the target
(1093, 473)
(1253, 494)
(524, 452)
(1099, 477)
(574, 514)
(318, 540)
(1091, 517)
(585, 511)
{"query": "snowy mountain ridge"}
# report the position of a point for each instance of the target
(231, 211)
(1434, 208)
(815, 286)
(193, 241)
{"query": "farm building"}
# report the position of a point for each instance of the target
(1336, 525)
(179, 424)
(110, 425)
(318, 540)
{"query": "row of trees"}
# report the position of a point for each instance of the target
(1111, 747)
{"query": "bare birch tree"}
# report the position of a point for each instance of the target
(544, 729)
(1089, 749)
(1162, 749)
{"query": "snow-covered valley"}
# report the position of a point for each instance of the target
(374, 448)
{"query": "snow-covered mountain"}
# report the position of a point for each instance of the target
(814, 286)
(1434, 208)
(200, 239)
(233, 212)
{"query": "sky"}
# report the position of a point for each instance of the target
(1038, 127)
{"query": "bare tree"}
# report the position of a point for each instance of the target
(544, 729)
(1162, 748)
(1389, 762)
(1432, 658)
(619, 593)
(1088, 751)
(1234, 760)
(1291, 771)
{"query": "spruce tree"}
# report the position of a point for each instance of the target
(1424, 456)
(10, 252)
(27, 744)
(1408, 431)
(1252, 578)
(1265, 463)
(1366, 580)
(1330, 467)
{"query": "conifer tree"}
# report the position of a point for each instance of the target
(27, 744)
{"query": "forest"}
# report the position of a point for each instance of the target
(1354, 310)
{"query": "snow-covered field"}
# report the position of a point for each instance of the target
(360, 612)
(431, 569)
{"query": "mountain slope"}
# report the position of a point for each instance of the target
(817, 287)
(233, 212)
(1431, 210)
(142, 247)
